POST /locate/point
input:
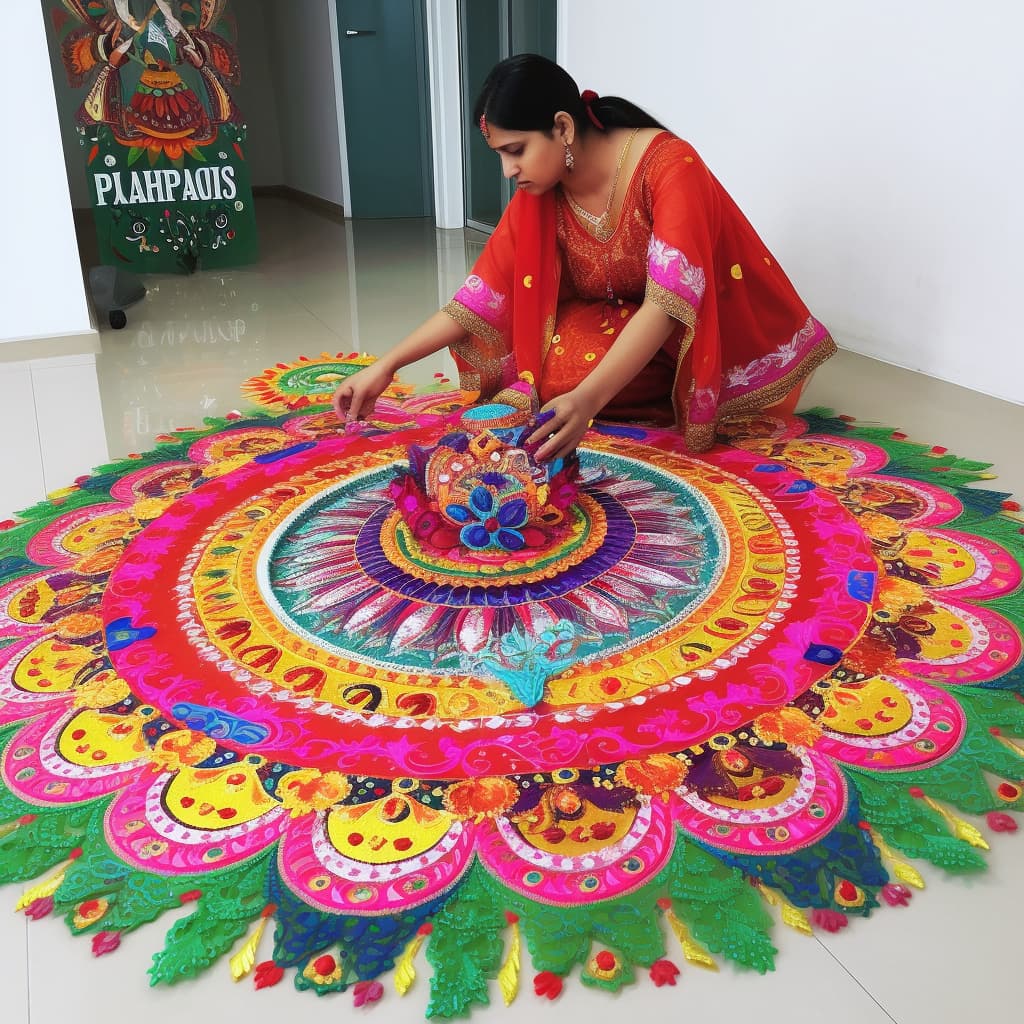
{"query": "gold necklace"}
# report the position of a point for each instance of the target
(598, 225)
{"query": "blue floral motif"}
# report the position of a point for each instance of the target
(525, 662)
(219, 724)
(121, 633)
(488, 522)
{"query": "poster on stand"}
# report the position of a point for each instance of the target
(162, 137)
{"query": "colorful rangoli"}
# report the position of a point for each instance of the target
(395, 686)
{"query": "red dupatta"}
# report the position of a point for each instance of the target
(746, 336)
(508, 303)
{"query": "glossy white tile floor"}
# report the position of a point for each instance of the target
(323, 286)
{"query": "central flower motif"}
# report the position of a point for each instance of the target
(480, 490)
(497, 522)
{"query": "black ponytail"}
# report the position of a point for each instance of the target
(524, 92)
(615, 112)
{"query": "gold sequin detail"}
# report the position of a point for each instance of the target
(591, 356)
(737, 271)
(528, 281)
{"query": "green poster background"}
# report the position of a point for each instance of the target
(162, 138)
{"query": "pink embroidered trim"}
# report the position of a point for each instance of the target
(766, 369)
(669, 267)
(480, 298)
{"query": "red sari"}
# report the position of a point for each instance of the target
(548, 298)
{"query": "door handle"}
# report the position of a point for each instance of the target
(360, 32)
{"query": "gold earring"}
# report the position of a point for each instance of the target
(570, 160)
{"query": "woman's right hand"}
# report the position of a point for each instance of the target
(356, 396)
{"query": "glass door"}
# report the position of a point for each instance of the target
(489, 31)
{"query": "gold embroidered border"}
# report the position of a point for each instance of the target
(675, 305)
(549, 333)
(679, 309)
(482, 350)
(777, 390)
(473, 322)
(701, 436)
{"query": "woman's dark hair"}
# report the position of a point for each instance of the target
(524, 92)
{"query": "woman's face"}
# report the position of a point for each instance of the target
(534, 160)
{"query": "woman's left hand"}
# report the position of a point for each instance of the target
(572, 414)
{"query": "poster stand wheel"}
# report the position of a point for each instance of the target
(114, 290)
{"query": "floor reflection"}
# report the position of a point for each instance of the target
(322, 286)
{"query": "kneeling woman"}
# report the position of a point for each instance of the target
(622, 277)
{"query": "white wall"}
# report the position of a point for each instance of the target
(303, 66)
(41, 289)
(256, 94)
(876, 147)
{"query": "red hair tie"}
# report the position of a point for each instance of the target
(588, 96)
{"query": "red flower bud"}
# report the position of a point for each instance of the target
(38, 909)
(829, 920)
(267, 974)
(1000, 822)
(365, 993)
(105, 942)
(896, 895)
(547, 985)
(664, 972)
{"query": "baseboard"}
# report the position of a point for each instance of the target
(335, 211)
(17, 350)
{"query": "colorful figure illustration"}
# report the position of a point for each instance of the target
(159, 86)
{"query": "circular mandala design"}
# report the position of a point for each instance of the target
(240, 650)
(711, 604)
